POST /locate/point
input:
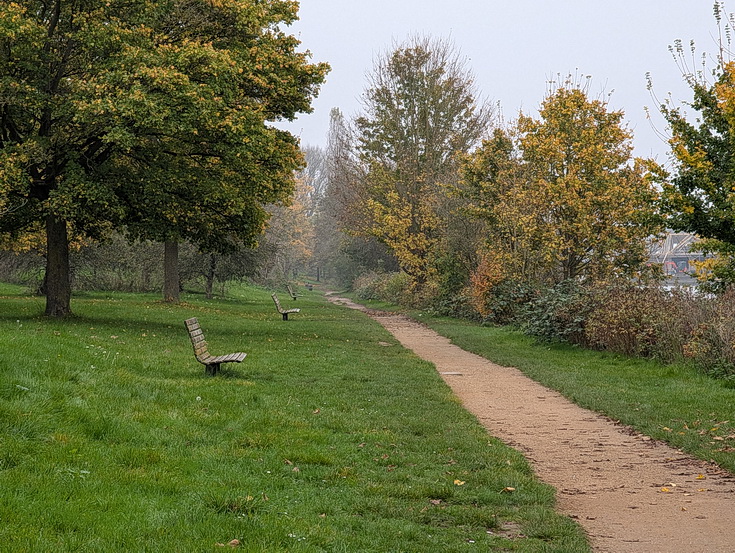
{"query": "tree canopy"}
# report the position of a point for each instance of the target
(149, 116)
(699, 196)
(561, 195)
(421, 109)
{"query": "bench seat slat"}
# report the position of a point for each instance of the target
(229, 358)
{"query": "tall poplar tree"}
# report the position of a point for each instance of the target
(146, 115)
(420, 110)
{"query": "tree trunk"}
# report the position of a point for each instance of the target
(57, 280)
(171, 271)
(210, 275)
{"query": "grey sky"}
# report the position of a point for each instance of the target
(514, 47)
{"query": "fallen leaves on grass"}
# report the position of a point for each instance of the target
(231, 543)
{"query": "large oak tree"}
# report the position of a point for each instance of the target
(146, 115)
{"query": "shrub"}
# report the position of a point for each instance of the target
(397, 288)
(621, 317)
(458, 305)
(624, 321)
(711, 344)
(366, 286)
(559, 314)
(646, 321)
(452, 297)
(506, 302)
(389, 287)
(676, 314)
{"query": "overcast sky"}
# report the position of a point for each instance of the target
(514, 48)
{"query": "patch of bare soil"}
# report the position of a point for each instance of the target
(630, 493)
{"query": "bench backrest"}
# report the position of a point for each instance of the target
(196, 334)
(278, 303)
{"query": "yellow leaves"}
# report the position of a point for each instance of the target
(694, 158)
(668, 487)
(15, 25)
(407, 224)
(571, 204)
(458, 482)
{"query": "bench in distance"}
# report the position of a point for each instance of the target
(291, 293)
(281, 310)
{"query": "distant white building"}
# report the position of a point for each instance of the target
(675, 253)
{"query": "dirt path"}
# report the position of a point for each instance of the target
(630, 493)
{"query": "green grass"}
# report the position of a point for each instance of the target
(324, 439)
(673, 403)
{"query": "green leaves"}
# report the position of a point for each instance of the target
(150, 116)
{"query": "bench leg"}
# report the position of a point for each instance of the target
(212, 369)
(285, 316)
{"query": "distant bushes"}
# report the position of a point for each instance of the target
(119, 265)
(389, 287)
(644, 321)
(679, 325)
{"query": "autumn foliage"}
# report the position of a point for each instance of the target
(561, 195)
(421, 110)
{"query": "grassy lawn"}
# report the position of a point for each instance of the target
(328, 437)
(667, 402)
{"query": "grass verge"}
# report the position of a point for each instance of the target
(328, 437)
(672, 403)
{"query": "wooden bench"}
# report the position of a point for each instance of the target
(281, 310)
(293, 294)
(201, 352)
